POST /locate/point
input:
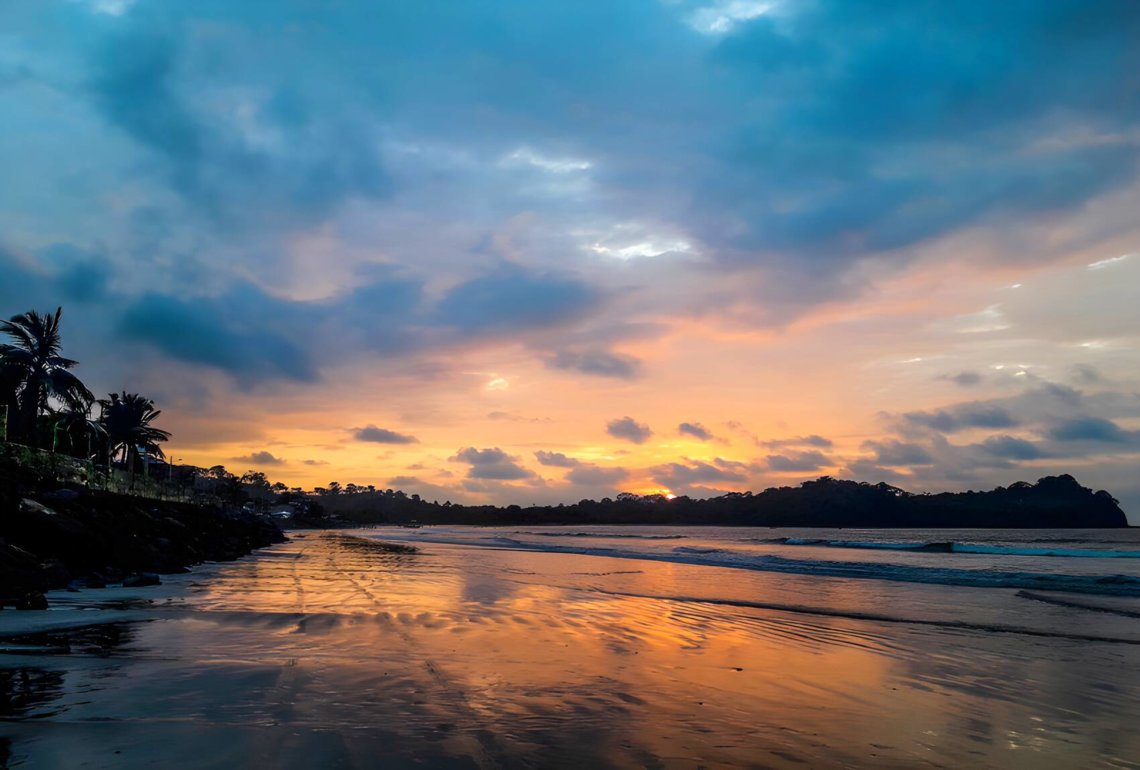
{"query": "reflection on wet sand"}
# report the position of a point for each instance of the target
(314, 654)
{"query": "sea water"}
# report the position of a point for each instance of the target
(604, 647)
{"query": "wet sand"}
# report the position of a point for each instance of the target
(317, 653)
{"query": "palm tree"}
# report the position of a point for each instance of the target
(75, 426)
(35, 373)
(127, 418)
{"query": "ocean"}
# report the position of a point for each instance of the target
(598, 646)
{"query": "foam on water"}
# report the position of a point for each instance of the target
(1007, 575)
(955, 547)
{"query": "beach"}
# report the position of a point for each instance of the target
(604, 647)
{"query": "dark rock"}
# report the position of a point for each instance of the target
(33, 600)
(61, 496)
(106, 537)
(139, 581)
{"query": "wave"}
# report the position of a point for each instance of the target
(955, 547)
(1107, 585)
(1078, 605)
(607, 535)
(880, 617)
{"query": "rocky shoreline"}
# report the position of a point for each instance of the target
(86, 538)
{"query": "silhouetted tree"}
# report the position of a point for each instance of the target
(34, 373)
(74, 428)
(127, 418)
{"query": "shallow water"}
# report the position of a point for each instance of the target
(318, 654)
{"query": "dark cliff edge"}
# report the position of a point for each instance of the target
(1052, 502)
(81, 537)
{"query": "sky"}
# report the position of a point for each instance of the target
(521, 252)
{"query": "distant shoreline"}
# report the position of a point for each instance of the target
(1053, 502)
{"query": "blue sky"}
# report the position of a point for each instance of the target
(497, 229)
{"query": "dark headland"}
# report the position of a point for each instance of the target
(55, 536)
(1052, 502)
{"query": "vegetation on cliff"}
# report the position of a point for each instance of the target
(1054, 501)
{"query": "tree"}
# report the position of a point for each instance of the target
(127, 418)
(34, 374)
(75, 430)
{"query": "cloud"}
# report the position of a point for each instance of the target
(799, 441)
(243, 333)
(241, 163)
(798, 462)
(595, 475)
(556, 459)
(863, 469)
(1086, 375)
(822, 117)
(629, 429)
(1012, 448)
(1088, 429)
(382, 435)
(965, 379)
(963, 417)
(314, 462)
(513, 299)
(491, 464)
(260, 458)
(597, 362)
(696, 472)
(696, 430)
(507, 416)
(898, 453)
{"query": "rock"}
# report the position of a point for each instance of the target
(33, 600)
(139, 581)
(31, 506)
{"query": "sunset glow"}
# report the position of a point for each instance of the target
(373, 244)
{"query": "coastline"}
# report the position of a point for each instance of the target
(90, 539)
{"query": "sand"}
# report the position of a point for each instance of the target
(315, 654)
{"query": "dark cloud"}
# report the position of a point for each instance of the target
(382, 435)
(696, 472)
(595, 475)
(491, 464)
(512, 299)
(556, 459)
(141, 84)
(823, 120)
(500, 415)
(798, 462)
(81, 276)
(314, 462)
(629, 429)
(863, 469)
(963, 417)
(696, 430)
(1086, 375)
(234, 332)
(893, 452)
(383, 308)
(260, 458)
(597, 362)
(799, 441)
(1012, 448)
(965, 379)
(1088, 429)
